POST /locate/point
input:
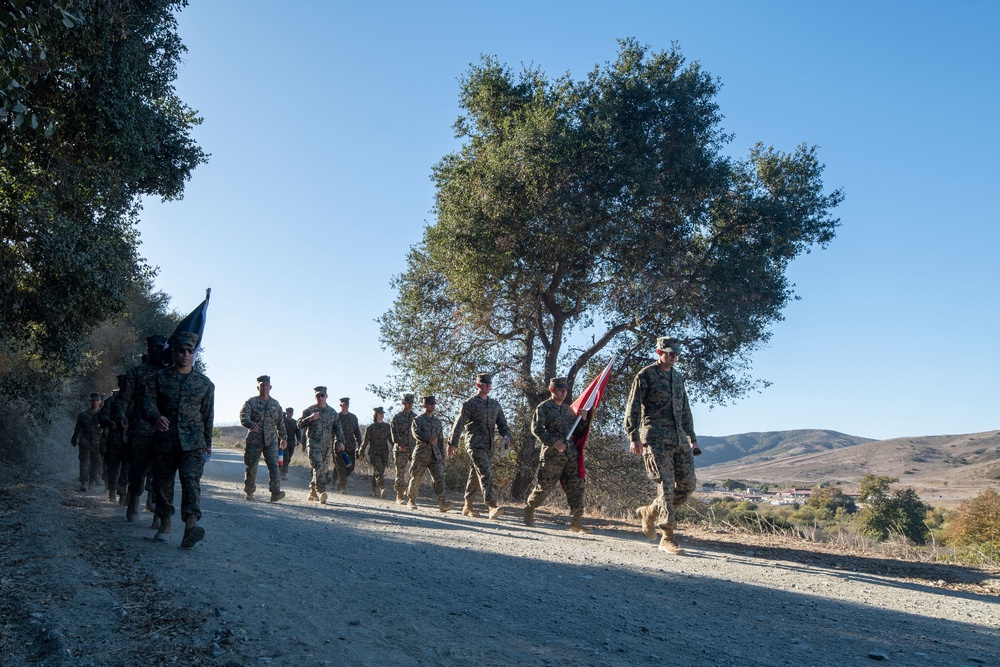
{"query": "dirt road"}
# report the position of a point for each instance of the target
(366, 582)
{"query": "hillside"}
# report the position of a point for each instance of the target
(943, 469)
(761, 447)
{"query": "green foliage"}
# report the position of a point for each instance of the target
(99, 81)
(885, 514)
(602, 208)
(831, 499)
(733, 485)
(975, 529)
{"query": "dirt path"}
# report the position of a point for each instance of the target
(364, 581)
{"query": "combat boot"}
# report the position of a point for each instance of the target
(372, 492)
(163, 530)
(83, 488)
(647, 514)
(111, 495)
(495, 511)
(381, 492)
(132, 512)
(193, 533)
(323, 498)
(529, 515)
(468, 510)
(400, 497)
(149, 502)
(668, 543)
(444, 505)
(249, 495)
(411, 500)
(277, 495)
(155, 525)
(576, 525)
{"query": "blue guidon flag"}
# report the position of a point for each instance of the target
(584, 406)
(195, 321)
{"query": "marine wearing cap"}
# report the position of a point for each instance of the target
(263, 378)
(484, 378)
(184, 338)
(408, 398)
(668, 344)
(319, 390)
(558, 383)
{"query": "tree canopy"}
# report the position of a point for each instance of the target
(580, 217)
(91, 124)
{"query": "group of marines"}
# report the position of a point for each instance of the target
(165, 416)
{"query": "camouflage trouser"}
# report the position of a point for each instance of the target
(343, 470)
(671, 466)
(139, 462)
(319, 458)
(423, 459)
(480, 477)
(90, 464)
(170, 460)
(558, 467)
(114, 453)
(402, 462)
(378, 462)
(251, 458)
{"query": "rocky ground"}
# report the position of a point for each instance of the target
(364, 581)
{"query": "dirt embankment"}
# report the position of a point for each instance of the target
(364, 581)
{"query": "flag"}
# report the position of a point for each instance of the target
(195, 321)
(588, 401)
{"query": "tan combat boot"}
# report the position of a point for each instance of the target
(469, 510)
(400, 497)
(277, 495)
(444, 505)
(576, 525)
(495, 511)
(163, 530)
(668, 543)
(313, 496)
(381, 492)
(249, 496)
(193, 533)
(529, 515)
(132, 512)
(647, 514)
(323, 498)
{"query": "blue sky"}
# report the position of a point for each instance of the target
(324, 120)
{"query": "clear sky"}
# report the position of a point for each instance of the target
(324, 120)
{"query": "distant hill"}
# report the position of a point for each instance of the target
(762, 447)
(943, 469)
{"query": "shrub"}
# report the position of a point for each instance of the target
(975, 528)
(885, 514)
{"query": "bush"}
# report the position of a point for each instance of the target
(899, 513)
(975, 529)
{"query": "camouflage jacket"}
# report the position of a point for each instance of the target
(132, 399)
(376, 440)
(552, 422)
(426, 427)
(88, 431)
(658, 407)
(325, 431)
(107, 414)
(268, 415)
(401, 435)
(478, 419)
(187, 400)
(292, 431)
(352, 432)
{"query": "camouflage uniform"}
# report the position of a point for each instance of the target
(658, 413)
(550, 423)
(140, 432)
(267, 414)
(188, 401)
(352, 440)
(87, 435)
(402, 436)
(478, 418)
(322, 436)
(114, 444)
(427, 456)
(375, 445)
(294, 436)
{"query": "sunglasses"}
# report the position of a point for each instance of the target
(184, 350)
(320, 395)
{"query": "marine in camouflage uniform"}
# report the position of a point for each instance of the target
(87, 435)
(293, 436)
(114, 443)
(352, 440)
(321, 430)
(402, 445)
(428, 432)
(265, 423)
(140, 432)
(479, 416)
(559, 460)
(659, 424)
(375, 446)
(180, 403)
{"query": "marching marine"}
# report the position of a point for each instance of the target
(261, 415)
(402, 441)
(375, 445)
(87, 435)
(428, 455)
(480, 416)
(321, 430)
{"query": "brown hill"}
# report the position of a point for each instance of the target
(944, 469)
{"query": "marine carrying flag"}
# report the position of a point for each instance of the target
(195, 322)
(588, 401)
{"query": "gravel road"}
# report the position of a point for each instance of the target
(364, 581)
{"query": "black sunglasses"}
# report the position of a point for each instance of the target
(184, 350)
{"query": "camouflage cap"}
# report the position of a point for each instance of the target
(345, 400)
(184, 338)
(380, 410)
(668, 344)
(429, 400)
(96, 397)
(484, 378)
(120, 378)
(558, 383)
(407, 398)
(319, 390)
(264, 378)
(289, 411)
(153, 341)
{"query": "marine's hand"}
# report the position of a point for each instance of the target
(314, 416)
(636, 447)
(282, 444)
(255, 427)
(451, 450)
(340, 448)
(506, 442)
(695, 449)
(559, 445)
(162, 423)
